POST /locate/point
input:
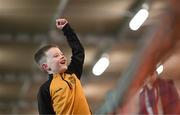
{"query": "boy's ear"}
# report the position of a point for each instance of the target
(44, 67)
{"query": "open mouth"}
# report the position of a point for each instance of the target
(63, 62)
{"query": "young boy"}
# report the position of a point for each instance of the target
(62, 93)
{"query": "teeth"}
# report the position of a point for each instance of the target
(62, 62)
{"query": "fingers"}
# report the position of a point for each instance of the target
(60, 23)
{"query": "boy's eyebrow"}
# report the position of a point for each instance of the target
(55, 53)
(58, 53)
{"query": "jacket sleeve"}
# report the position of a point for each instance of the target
(44, 101)
(77, 58)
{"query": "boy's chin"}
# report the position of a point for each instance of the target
(63, 70)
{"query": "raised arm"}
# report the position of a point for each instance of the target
(77, 58)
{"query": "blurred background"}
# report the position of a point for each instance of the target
(103, 27)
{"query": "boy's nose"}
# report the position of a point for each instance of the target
(62, 57)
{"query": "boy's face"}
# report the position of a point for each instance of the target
(56, 61)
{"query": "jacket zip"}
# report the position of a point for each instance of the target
(70, 86)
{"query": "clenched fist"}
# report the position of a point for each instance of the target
(60, 23)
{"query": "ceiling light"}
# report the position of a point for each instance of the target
(100, 66)
(160, 69)
(138, 19)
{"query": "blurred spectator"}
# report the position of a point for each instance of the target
(159, 96)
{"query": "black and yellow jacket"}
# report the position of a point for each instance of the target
(62, 93)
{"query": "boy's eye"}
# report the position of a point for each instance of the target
(56, 55)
